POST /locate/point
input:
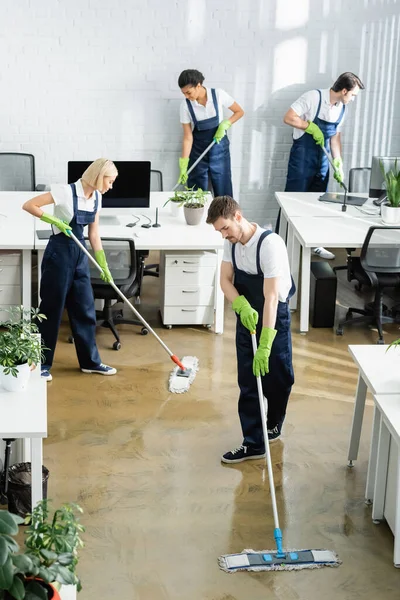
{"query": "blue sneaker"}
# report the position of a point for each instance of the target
(101, 370)
(45, 373)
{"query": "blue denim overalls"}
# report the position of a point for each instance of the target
(66, 283)
(277, 384)
(217, 162)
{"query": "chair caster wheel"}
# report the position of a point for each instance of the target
(339, 331)
(376, 522)
(380, 342)
(358, 287)
(70, 339)
(117, 346)
(144, 331)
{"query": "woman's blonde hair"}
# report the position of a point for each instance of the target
(96, 172)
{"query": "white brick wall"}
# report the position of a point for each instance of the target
(86, 78)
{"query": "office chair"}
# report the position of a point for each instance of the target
(17, 173)
(122, 260)
(378, 267)
(358, 183)
(153, 270)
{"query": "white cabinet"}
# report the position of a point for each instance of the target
(10, 281)
(187, 287)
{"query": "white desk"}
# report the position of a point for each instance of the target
(24, 415)
(312, 223)
(380, 373)
(174, 234)
(17, 232)
(387, 481)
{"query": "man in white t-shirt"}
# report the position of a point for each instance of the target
(317, 120)
(202, 118)
(255, 278)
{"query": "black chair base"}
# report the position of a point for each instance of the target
(369, 318)
(110, 318)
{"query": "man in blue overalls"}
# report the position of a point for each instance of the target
(202, 118)
(317, 118)
(255, 278)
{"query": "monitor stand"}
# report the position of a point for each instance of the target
(109, 220)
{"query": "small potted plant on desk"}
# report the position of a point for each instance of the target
(20, 347)
(193, 202)
(50, 557)
(390, 210)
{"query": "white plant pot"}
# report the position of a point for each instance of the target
(16, 384)
(176, 209)
(390, 214)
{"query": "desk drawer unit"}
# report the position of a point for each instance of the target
(10, 282)
(187, 287)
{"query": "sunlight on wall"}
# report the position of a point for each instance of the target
(196, 20)
(290, 14)
(290, 62)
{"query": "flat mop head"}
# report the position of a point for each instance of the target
(268, 560)
(180, 380)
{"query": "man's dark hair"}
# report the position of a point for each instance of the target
(190, 77)
(347, 81)
(222, 206)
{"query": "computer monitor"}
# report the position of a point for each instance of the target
(131, 188)
(376, 184)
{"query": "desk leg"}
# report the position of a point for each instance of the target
(219, 297)
(305, 289)
(381, 467)
(283, 227)
(36, 461)
(373, 457)
(358, 414)
(293, 247)
(396, 558)
(39, 270)
(26, 279)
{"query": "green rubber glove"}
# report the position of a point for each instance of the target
(317, 134)
(63, 226)
(247, 314)
(338, 173)
(222, 128)
(183, 168)
(102, 261)
(261, 357)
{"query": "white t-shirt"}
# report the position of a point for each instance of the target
(64, 201)
(274, 260)
(201, 112)
(306, 108)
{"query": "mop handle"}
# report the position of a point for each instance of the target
(121, 295)
(266, 442)
(197, 162)
(333, 166)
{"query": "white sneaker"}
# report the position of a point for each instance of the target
(323, 253)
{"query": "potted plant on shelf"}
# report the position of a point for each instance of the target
(390, 210)
(20, 347)
(50, 555)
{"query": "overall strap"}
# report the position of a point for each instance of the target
(233, 257)
(319, 104)
(341, 115)
(260, 241)
(214, 97)
(193, 116)
(96, 202)
(74, 196)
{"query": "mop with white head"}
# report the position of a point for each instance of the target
(180, 380)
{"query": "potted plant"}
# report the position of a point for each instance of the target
(193, 207)
(20, 347)
(390, 210)
(50, 555)
(176, 202)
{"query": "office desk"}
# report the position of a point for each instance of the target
(174, 234)
(346, 231)
(17, 232)
(24, 415)
(380, 373)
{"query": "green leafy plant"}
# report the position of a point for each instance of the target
(392, 183)
(19, 342)
(393, 344)
(189, 197)
(51, 552)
